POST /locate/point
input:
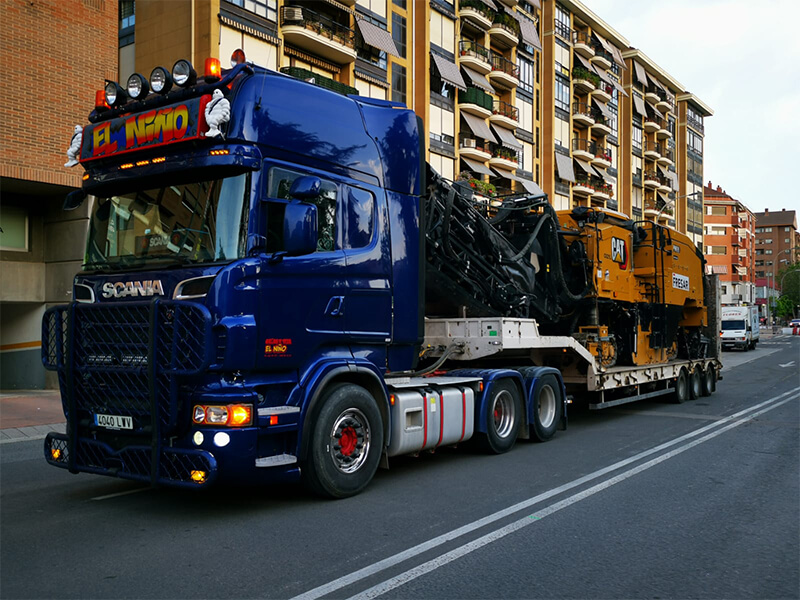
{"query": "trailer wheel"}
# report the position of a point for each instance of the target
(346, 443)
(681, 387)
(546, 409)
(502, 418)
(696, 383)
(709, 380)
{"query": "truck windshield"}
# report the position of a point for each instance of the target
(199, 222)
(732, 325)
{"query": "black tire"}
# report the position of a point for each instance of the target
(335, 468)
(546, 409)
(696, 383)
(709, 381)
(681, 393)
(503, 418)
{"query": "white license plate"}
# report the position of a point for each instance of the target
(113, 421)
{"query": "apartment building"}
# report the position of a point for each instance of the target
(730, 245)
(41, 247)
(777, 244)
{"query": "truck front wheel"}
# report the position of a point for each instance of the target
(346, 443)
(546, 409)
(502, 418)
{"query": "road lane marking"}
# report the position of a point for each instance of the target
(448, 557)
(126, 493)
(400, 557)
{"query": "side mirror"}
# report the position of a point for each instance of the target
(305, 187)
(300, 227)
(74, 199)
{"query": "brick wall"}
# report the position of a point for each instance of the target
(54, 56)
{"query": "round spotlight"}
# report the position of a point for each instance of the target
(138, 87)
(238, 57)
(198, 438)
(221, 439)
(115, 95)
(160, 80)
(183, 73)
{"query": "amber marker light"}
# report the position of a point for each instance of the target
(55, 453)
(198, 476)
(100, 99)
(240, 415)
(213, 69)
(85, 176)
(160, 159)
(126, 166)
(273, 419)
(391, 399)
(219, 152)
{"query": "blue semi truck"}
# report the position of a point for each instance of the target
(265, 295)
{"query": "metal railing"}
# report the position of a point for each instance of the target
(581, 108)
(319, 24)
(503, 152)
(652, 175)
(584, 145)
(651, 118)
(653, 147)
(500, 63)
(505, 109)
(582, 37)
(471, 143)
(470, 48)
(599, 51)
(695, 124)
(602, 153)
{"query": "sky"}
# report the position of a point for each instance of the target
(742, 59)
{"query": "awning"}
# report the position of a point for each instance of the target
(638, 105)
(449, 71)
(604, 174)
(377, 37)
(664, 199)
(618, 56)
(507, 138)
(528, 30)
(530, 186)
(587, 167)
(490, 4)
(654, 82)
(719, 269)
(564, 167)
(618, 87)
(341, 6)
(641, 74)
(603, 42)
(586, 64)
(476, 167)
(603, 109)
(662, 170)
(479, 80)
(478, 127)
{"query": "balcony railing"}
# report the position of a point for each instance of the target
(499, 63)
(600, 52)
(470, 48)
(319, 80)
(563, 31)
(666, 98)
(581, 145)
(695, 124)
(600, 119)
(581, 108)
(467, 141)
(476, 96)
(659, 205)
(478, 6)
(602, 153)
(505, 109)
(653, 147)
(655, 176)
(507, 22)
(581, 73)
(657, 120)
(582, 37)
(320, 24)
(505, 153)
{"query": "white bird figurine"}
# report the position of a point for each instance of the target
(218, 111)
(74, 149)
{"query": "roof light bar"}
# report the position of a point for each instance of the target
(160, 80)
(183, 73)
(137, 87)
(115, 95)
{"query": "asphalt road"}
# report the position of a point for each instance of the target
(700, 500)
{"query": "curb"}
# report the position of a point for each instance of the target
(26, 434)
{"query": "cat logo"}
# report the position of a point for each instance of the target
(619, 252)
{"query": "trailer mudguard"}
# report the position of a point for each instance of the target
(489, 376)
(321, 374)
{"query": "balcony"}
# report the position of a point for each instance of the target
(504, 30)
(476, 13)
(603, 191)
(695, 124)
(503, 157)
(654, 207)
(470, 147)
(602, 156)
(475, 102)
(652, 150)
(652, 180)
(583, 149)
(652, 123)
(583, 81)
(603, 92)
(583, 186)
(505, 115)
(665, 186)
(582, 44)
(582, 115)
(475, 56)
(665, 102)
(504, 73)
(651, 94)
(318, 34)
(602, 58)
(602, 125)
(319, 80)
(667, 157)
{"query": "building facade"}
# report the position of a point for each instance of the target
(777, 244)
(730, 245)
(55, 55)
(519, 95)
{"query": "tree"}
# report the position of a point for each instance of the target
(789, 278)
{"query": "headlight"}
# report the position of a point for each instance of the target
(229, 415)
(115, 95)
(183, 73)
(137, 86)
(160, 80)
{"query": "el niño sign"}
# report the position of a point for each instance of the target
(160, 126)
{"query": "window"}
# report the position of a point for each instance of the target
(280, 182)
(562, 23)
(527, 74)
(398, 83)
(360, 218)
(767, 251)
(14, 225)
(399, 33)
(724, 289)
(263, 8)
(766, 241)
(786, 240)
(637, 139)
(695, 142)
(785, 229)
(718, 211)
(562, 93)
(718, 250)
(127, 16)
(400, 3)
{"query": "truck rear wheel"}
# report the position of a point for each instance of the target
(696, 383)
(502, 418)
(546, 409)
(709, 381)
(346, 443)
(681, 387)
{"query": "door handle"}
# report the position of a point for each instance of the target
(335, 307)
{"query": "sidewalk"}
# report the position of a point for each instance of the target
(30, 414)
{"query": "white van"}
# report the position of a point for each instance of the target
(740, 328)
